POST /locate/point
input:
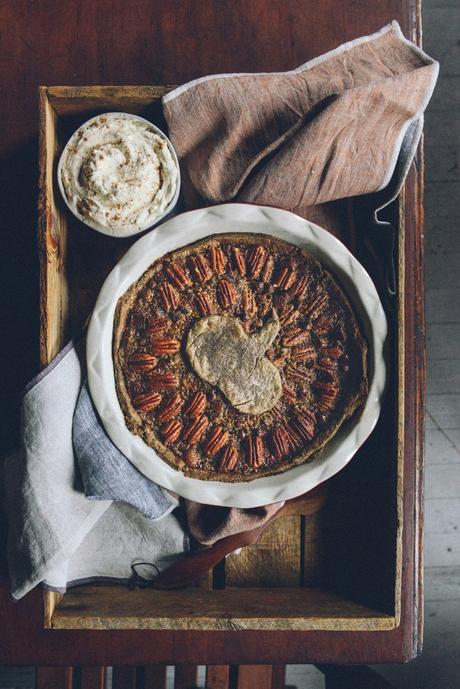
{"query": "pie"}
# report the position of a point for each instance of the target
(238, 356)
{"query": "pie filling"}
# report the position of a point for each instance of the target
(238, 356)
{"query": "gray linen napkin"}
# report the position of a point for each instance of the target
(56, 535)
(106, 472)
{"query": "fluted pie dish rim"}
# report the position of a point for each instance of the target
(197, 225)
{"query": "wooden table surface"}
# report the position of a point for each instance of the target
(145, 42)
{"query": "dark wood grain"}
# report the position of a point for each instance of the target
(254, 676)
(278, 677)
(93, 678)
(217, 676)
(54, 678)
(171, 42)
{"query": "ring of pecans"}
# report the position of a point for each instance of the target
(319, 352)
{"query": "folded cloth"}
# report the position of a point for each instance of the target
(337, 126)
(343, 124)
(106, 472)
(56, 535)
(209, 524)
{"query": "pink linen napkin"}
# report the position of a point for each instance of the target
(344, 124)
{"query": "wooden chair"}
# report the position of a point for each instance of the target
(217, 677)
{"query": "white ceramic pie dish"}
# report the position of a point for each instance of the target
(190, 227)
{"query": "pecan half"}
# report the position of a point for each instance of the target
(197, 405)
(295, 441)
(327, 366)
(304, 425)
(194, 432)
(229, 459)
(316, 304)
(238, 260)
(164, 345)
(218, 260)
(256, 260)
(285, 278)
(328, 388)
(288, 314)
(255, 451)
(267, 270)
(294, 372)
(163, 381)
(171, 431)
(200, 267)
(290, 394)
(279, 443)
(142, 361)
(325, 403)
(226, 294)
(177, 275)
(323, 325)
(146, 401)
(278, 413)
(169, 296)
(306, 353)
(276, 358)
(248, 303)
(332, 352)
(191, 457)
(158, 325)
(216, 441)
(171, 408)
(327, 394)
(204, 304)
(300, 287)
(294, 336)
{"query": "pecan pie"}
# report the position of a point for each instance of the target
(238, 356)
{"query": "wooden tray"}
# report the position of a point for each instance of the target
(339, 569)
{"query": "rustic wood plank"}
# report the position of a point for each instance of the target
(124, 677)
(217, 676)
(276, 558)
(52, 228)
(154, 677)
(54, 678)
(311, 550)
(278, 677)
(110, 607)
(185, 677)
(254, 676)
(273, 561)
(93, 677)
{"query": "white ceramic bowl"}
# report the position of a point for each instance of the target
(190, 227)
(96, 226)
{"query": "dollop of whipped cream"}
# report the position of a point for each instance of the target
(118, 174)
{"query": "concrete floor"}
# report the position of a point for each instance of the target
(439, 665)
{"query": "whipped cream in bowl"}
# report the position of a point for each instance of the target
(119, 174)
